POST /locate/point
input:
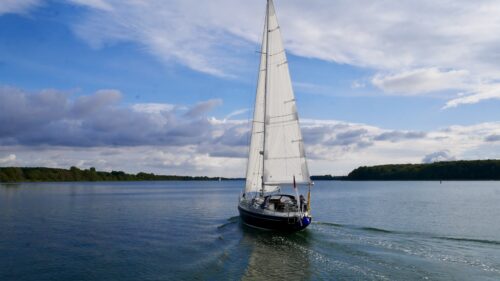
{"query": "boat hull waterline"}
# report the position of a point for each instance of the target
(271, 222)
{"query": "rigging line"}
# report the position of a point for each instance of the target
(266, 90)
(284, 115)
(280, 52)
(275, 123)
(274, 29)
(280, 64)
(285, 157)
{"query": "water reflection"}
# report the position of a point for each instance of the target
(276, 256)
(10, 185)
(8, 191)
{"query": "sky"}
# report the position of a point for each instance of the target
(167, 86)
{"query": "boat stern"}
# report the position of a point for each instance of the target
(306, 220)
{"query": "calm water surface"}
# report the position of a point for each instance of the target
(191, 231)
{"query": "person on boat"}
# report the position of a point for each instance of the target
(302, 202)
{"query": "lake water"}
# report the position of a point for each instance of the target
(191, 231)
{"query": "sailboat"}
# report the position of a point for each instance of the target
(277, 165)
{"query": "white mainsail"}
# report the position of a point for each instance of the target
(255, 155)
(276, 148)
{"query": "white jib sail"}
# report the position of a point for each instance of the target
(284, 156)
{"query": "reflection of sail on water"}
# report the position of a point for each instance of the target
(277, 257)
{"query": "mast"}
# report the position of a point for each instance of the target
(266, 81)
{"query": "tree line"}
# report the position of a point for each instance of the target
(446, 170)
(41, 174)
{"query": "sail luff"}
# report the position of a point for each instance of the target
(255, 157)
(266, 93)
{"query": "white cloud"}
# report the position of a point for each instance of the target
(156, 108)
(357, 84)
(438, 156)
(415, 48)
(7, 159)
(482, 92)
(196, 34)
(468, 90)
(203, 107)
(95, 4)
(237, 113)
(18, 6)
(424, 80)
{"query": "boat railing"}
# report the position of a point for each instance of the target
(290, 209)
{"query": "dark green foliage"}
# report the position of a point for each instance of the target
(450, 170)
(447, 170)
(11, 174)
(38, 174)
(327, 178)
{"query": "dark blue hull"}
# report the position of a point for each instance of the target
(273, 222)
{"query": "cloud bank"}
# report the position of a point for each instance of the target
(57, 129)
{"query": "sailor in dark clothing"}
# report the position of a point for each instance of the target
(302, 203)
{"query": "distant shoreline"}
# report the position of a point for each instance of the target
(74, 174)
(472, 170)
